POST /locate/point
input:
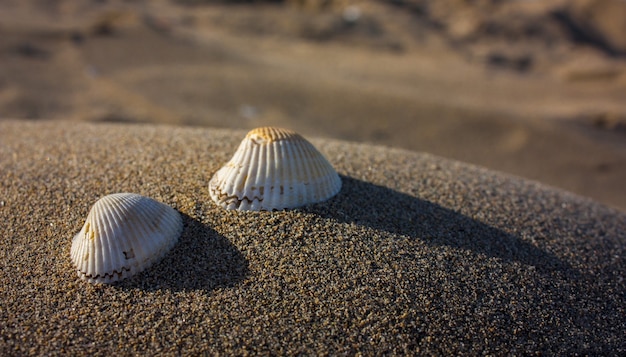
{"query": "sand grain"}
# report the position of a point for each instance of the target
(416, 254)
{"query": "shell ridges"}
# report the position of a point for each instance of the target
(123, 234)
(273, 169)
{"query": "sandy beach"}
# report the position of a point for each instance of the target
(481, 146)
(416, 255)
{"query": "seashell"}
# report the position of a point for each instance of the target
(124, 234)
(274, 169)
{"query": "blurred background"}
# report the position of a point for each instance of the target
(535, 88)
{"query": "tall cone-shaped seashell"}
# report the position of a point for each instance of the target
(124, 234)
(274, 169)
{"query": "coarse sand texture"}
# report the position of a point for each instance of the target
(415, 255)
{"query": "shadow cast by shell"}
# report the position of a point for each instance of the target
(384, 209)
(201, 260)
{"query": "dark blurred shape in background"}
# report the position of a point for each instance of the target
(534, 88)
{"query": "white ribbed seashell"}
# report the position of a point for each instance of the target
(274, 169)
(124, 234)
